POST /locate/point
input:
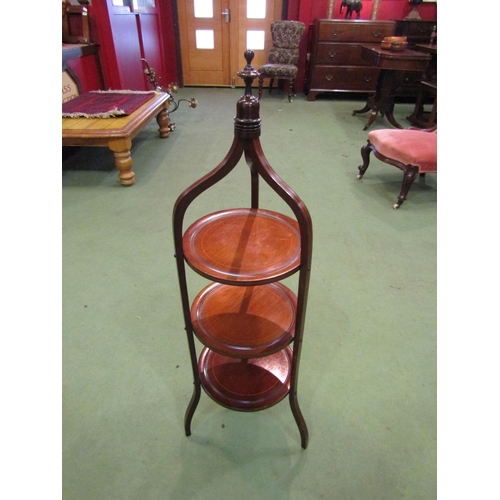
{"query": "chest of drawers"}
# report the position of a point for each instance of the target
(336, 64)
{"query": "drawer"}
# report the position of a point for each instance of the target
(355, 31)
(348, 78)
(345, 54)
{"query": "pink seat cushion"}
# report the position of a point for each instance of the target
(414, 147)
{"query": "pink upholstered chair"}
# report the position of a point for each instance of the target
(414, 151)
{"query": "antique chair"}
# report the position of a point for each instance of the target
(283, 56)
(412, 150)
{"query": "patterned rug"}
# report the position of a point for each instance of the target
(105, 104)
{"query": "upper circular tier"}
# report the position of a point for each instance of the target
(243, 245)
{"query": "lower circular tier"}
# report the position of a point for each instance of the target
(246, 384)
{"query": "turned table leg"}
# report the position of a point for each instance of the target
(123, 160)
(163, 120)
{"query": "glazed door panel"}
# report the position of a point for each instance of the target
(214, 34)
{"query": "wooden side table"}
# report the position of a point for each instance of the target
(389, 63)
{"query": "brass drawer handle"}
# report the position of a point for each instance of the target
(368, 78)
(328, 78)
(376, 34)
(335, 32)
(332, 54)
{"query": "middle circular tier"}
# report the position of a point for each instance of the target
(244, 322)
(243, 245)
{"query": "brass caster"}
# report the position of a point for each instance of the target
(359, 176)
(395, 206)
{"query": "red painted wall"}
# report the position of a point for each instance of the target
(169, 23)
(87, 70)
(309, 10)
(123, 39)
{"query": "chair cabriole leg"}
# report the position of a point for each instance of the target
(409, 176)
(365, 155)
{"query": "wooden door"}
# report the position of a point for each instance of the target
(214, 34)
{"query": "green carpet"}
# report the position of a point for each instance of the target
(367, 383)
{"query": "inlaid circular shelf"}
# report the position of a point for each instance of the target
(244, 321)
(243, 245)
(246, 384)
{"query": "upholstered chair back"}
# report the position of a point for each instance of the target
(287, 34)
(286, 39)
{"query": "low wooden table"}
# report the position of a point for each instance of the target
(117, 133)
(389, 63)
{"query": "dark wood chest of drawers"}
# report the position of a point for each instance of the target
(336, 64)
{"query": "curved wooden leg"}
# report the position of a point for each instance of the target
(123, 160)
(163, 120)
(371, 119)
(409, 176)
(195, 398)
(365, 155)
(261, 84)
(361, 111)
(392, 120)
(299, 419)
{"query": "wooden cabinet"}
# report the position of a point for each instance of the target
(336, 64)
(249, 322)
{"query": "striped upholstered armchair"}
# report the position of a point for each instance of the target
(284, 55)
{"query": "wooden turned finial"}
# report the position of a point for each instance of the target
(248, 73)
(247, 121)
